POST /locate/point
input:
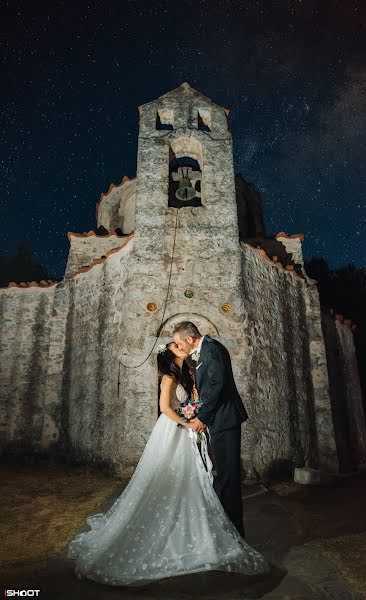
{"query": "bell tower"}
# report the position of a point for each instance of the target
(186, 258)
(185, 161)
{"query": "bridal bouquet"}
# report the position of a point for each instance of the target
(189, 409)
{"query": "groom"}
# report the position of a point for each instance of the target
(222, 411)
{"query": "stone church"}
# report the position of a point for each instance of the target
(185, 239)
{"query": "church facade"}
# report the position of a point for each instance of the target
(185, 239)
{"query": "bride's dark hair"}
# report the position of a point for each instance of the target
(168, 366)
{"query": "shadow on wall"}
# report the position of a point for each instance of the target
(344, 290)
(278, 470)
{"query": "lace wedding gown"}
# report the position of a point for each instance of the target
(168, 521)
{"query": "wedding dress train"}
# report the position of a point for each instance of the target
(168, 521)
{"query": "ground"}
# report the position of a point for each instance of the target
(315, 538)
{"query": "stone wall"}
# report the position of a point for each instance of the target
(92, 415)
(281, 395)
(61, 390)
(85, 248)
(326, 444)
(26, 318)
(345, 391)
(64, 388)
(116, 208)
(292, 245)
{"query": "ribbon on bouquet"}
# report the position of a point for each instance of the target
(203, 459)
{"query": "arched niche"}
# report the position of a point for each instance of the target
(185, 152)
(187, 146)
(177, 167)
(204, 325)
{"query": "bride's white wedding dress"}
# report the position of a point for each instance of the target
(168, 521)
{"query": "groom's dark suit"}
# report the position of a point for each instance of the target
(223, 412)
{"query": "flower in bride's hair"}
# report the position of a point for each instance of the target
(161, 348)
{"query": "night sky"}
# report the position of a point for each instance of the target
(292, 74)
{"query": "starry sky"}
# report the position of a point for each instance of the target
(292, 73)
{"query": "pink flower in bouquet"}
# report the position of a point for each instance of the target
(188, 411)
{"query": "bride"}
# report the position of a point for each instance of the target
(168, 521)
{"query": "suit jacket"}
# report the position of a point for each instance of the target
(222, 406)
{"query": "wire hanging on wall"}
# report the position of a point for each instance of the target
(165, 305)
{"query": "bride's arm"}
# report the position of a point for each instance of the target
(168, 386)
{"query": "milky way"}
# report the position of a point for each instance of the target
(292, 75)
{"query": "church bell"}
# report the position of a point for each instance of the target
(185, 190)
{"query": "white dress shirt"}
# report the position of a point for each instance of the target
(198, 349)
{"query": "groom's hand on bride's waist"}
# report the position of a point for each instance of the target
(198, 425)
